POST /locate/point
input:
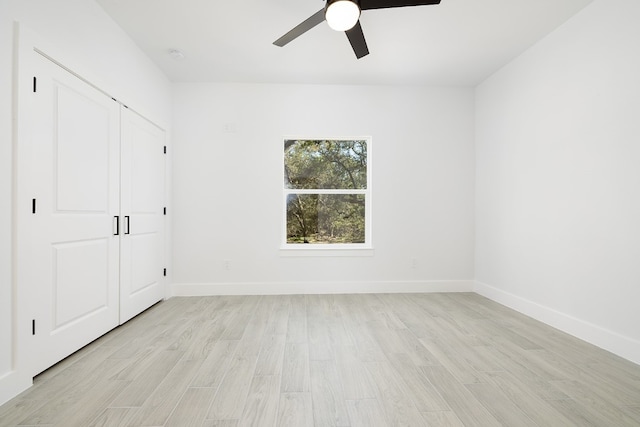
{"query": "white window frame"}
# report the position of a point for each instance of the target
(329, 249)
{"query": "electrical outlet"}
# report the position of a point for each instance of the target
(227, 264)
(414, 263)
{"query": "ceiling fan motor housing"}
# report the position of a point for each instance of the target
(329, 2)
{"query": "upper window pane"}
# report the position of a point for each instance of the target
(325, 164)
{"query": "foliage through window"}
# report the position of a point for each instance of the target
(326, 186)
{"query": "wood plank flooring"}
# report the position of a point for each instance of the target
(333, 360)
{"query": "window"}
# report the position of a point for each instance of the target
(327, 193)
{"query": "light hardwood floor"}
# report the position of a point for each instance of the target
(333, 360)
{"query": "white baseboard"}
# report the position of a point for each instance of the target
(300, 288)
(12, 384)
(611, 341)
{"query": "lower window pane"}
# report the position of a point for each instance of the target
(325, 218)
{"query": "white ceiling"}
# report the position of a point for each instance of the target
(458, 42)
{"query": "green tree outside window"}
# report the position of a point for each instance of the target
(326, 191)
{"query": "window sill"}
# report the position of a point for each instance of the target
(317, 251)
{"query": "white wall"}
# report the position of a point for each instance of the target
(228, 186)
(558, 179)
(85, 39)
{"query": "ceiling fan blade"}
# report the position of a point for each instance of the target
(385, 4)
(302, 28)
(358, 43)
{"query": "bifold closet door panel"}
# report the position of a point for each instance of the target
(70, 263)
(142, 206)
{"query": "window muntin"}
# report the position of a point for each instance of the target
(327, 193)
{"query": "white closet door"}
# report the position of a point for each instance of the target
(142, 205)
(71, 258)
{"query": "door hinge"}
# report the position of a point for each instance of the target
(165, 272)
(165, 149)
(33, 206)
(33, 327)
(35, 84)
(164, 210)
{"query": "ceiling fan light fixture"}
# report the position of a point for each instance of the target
(342, 15)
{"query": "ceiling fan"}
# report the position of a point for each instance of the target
(344, 15)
